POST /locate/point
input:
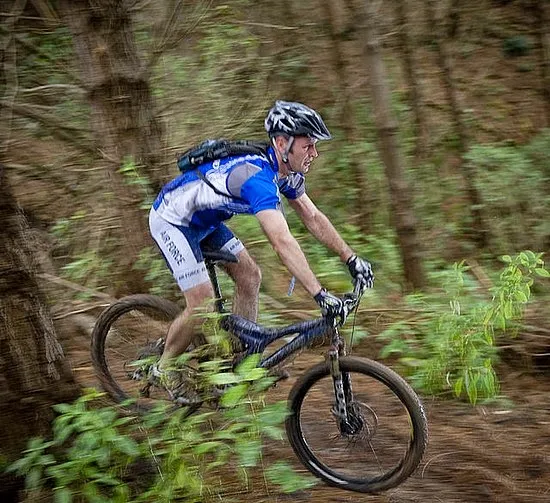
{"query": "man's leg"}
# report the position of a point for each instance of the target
(245, 273)
(181, 250)
(247, 277)
(184, 328)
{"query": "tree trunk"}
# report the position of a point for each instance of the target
(122, 114)
(415, 98)
(363, 199)
(33, 371)
(542, 19)
(443, 40)
(401, 204)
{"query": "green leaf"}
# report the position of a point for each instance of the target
(248, 364)
(63, 408)
(63, 495)
(508, 311)
(249, 451)
(20, 466)
(458, 386)
(506, 259)
(542, 272)
(273, 415)
(127, 445)
(205, 447)
(520, 296)
(255, 374)
(224, 378)
(34, 478)
(273, 432)
(283, 475)
(234, 395)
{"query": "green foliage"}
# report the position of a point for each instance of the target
(90, 268)
(94, 450)
(514, 289)
(63, 228)
(93, 456)
(49, 61)
(513, 182)
(454, 349)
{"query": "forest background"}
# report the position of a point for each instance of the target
(438, 169)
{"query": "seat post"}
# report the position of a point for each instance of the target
(219, 302)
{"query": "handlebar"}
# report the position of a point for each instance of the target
(350, 299)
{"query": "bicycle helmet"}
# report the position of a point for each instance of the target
(294, 119)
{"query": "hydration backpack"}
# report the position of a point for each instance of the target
(210, 150)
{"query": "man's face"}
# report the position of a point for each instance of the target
(302, 153)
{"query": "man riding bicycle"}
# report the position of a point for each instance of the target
(189, 212)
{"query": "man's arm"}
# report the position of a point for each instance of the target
(285, 245)
(319, 226)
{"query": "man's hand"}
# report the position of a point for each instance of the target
(360, 271)
(331, 306)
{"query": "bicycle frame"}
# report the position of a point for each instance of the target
(256, 341)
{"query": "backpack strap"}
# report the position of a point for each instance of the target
(211, 185)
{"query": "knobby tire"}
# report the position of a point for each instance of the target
(149, 305)
(390, 383)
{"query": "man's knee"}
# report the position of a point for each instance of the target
(198, 296)
(254, 274)
(247, 275)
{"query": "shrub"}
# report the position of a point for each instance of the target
(453, 349)
(95, 451)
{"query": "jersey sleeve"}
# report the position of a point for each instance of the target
(293, 186)
(261, 192)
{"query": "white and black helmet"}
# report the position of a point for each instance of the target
(294, 119)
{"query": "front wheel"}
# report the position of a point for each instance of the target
(388, 433)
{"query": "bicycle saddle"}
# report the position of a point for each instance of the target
(219, 256)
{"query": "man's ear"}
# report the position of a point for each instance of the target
(280, 143)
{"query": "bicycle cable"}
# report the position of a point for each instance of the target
(354, 320)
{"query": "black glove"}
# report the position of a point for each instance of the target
(360, 271)
(331, 306)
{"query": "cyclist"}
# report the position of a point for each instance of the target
(189, 212)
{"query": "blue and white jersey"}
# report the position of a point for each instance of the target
(251, 183)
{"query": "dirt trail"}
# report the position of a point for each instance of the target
(483, 454)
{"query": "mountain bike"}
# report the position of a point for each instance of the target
(353, 422)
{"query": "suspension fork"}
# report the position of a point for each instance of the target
(341, 380)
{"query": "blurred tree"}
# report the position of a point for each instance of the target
(363, 203)
(541, 10)
(34, 374)
(286, 50)
(414, 93)
(403, 217)
(445, 32)
(120, 97)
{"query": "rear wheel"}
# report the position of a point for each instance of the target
(127, 339)
(384, 439)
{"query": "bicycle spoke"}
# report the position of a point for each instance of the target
(375, 447)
